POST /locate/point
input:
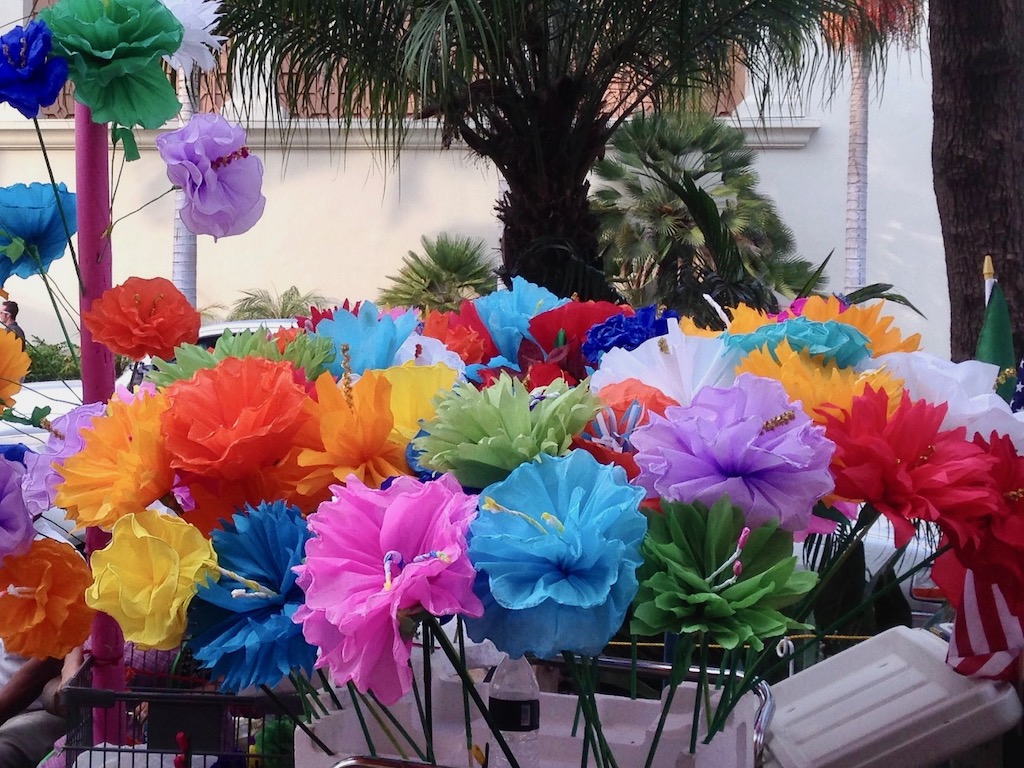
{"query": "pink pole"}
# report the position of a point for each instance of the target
(92, 188)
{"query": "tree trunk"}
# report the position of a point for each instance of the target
(977, 56)
(857, 174)
(185, 251)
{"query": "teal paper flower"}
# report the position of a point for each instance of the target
(482, 435)
(507, 314)
(114, 50)
(32, 234)
(704, 571)
(556, 547)
(365, 341)
(830, 339)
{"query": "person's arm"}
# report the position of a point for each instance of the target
(26, 685)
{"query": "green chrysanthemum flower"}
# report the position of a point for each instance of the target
(480, 436)
(704, 571)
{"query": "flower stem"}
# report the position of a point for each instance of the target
(110, 228)
(398, 726)
(460, 635)
(56, 196)
(354, 694)
(56, 309)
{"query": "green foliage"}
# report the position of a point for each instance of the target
(682, 218)
(51, 361)
(450, 270)
(259, 304)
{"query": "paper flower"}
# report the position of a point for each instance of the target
(482, 435)
(148, 574)
(414, 391)
(557, 336)
(377, 559)
(350, 434)
(243, 634)
(123, 467)
(42, 606)
(747, 441)
(143, 316)
(113, 49)
(676, 364)
(556, 545)
(366, 340)
(197, 18)
(506, 314)
(32, 234)
(461, 332)
(16, 530)
(866, 318)
(234, 419)
(833, 341)
(626, 331)
(39, 487)
(14, 364)
(909, 469)
(426, 351)
(221, 179)
(29, 77)
(705, 570)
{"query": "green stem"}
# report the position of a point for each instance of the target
(297, 720)
(354, 694)
(702, 681)
(329, 688)
(460, 634)
(680, 666)
(110, 228)
(398, 727)
(56, 309)
(56, 196)
(584, 703)
(428, 725)
(375, 712)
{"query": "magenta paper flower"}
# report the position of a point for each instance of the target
(209, 160)
(747, 442)
(377, 559)
(16, 530)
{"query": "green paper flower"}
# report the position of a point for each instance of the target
(113, 50)
(480, 436)
(704, 571)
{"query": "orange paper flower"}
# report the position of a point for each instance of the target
(14, 364)
(234, 419)
(42, 600)
(143, 316)
(124, 466)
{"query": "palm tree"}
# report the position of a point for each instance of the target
(451, 270)
(654, 247)
(537, 87)
(260, 304)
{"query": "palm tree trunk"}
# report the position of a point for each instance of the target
(857, 174)
(185, 251)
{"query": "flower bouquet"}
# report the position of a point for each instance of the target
(336, 504)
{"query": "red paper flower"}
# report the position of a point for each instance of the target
(559, 335)
(42, 600)
(910, 470)
(235, 419)
(463, 333)
(143, 316)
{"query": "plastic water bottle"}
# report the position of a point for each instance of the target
(515, 707)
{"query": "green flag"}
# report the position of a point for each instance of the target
(995, 344)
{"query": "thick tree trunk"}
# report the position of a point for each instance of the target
(977, 56)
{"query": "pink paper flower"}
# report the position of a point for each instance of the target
(377, 559)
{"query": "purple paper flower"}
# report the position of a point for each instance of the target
(209, 160)
(41, 478)
(16, 530)
(29, 77)
(748, 442)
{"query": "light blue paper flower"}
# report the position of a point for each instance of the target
(245, 638)
(32, 235)
(556, 547)
(507, 314)
(834, 340)
(372, 339)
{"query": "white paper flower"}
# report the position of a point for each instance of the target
(425, 350)
(198, 17)
(676, 364)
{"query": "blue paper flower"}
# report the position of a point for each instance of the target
(556, 547)
(244, 637)
(29, 77)
(831, 339)
(507, 314)
(626, 332)
(371, 339)
(32, 235)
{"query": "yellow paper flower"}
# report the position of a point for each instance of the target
(814, 384)
(14, 364)
(747, 319)
(413, 389)
(123, 467)
(147, 575)
(349, 434)
(866, 318)
(690, 328)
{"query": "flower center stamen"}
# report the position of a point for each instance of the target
(223, 162)
(777, 421)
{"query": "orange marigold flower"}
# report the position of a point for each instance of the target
(866, 318)
(14, 364)
(143, 316)
(124, 466)
(350, 434)
(42, 600)
(231, 420)
(814, 384)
